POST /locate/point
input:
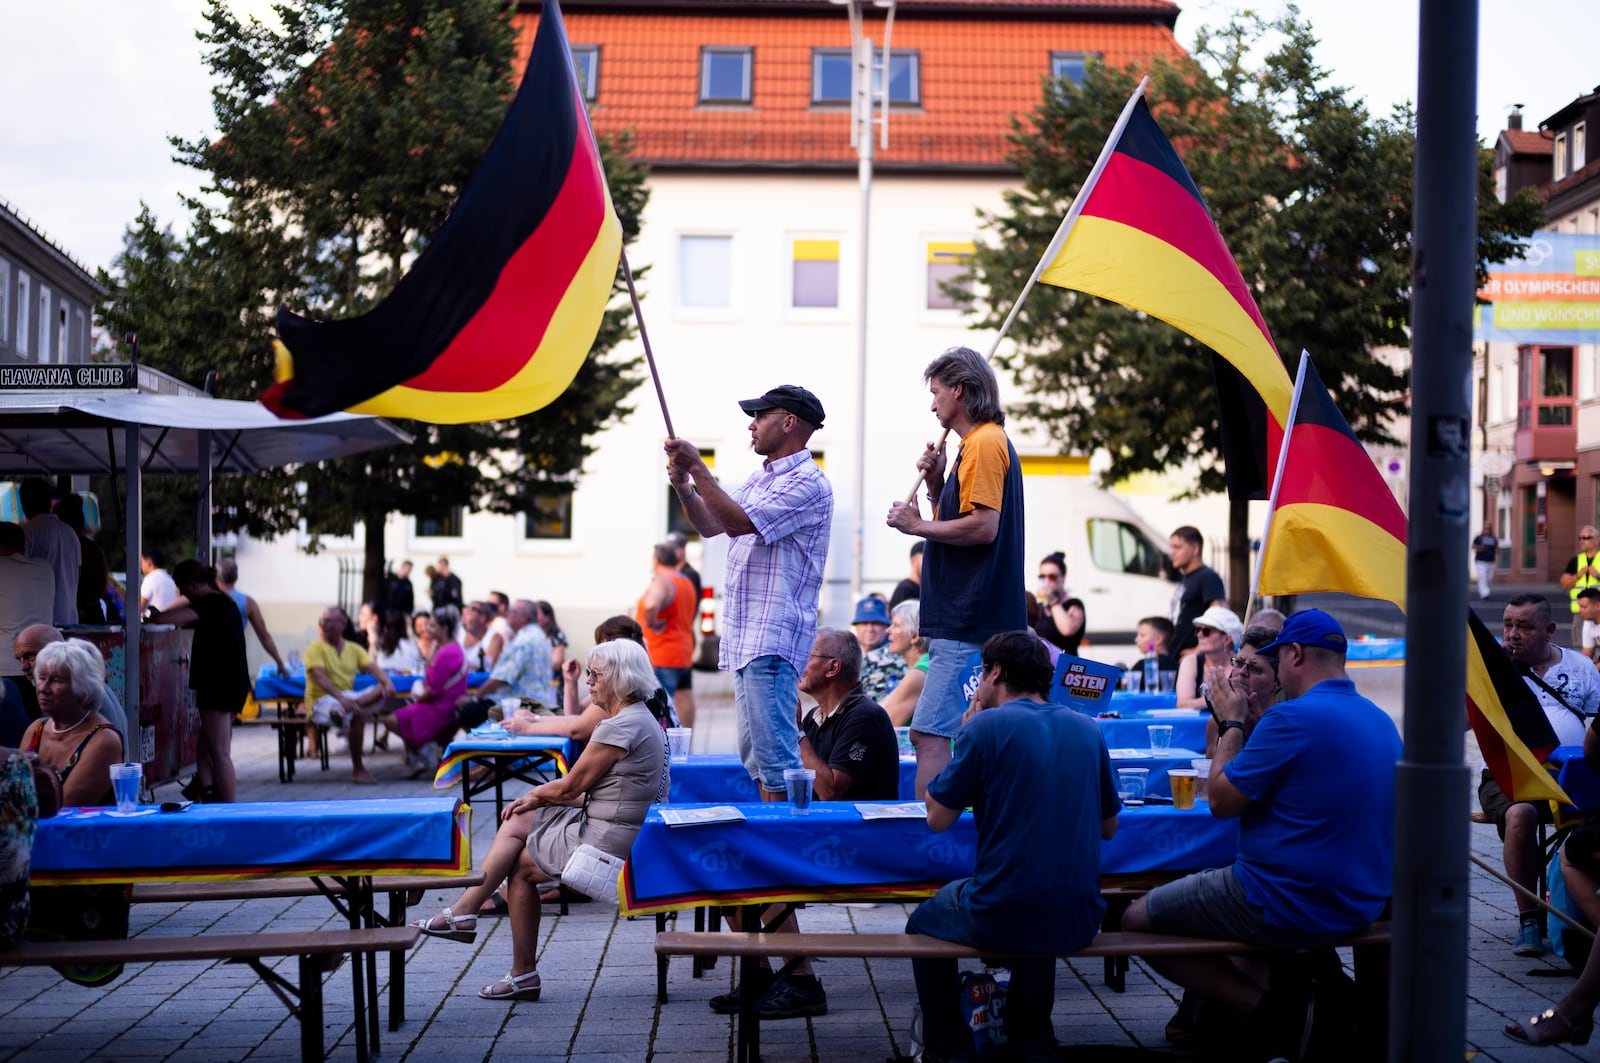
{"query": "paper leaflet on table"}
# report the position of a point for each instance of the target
(896, 810)
(1334, 525)
(688, 817)
(1083, 684)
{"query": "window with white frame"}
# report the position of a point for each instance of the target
(832, 70)
(1559, 157)
(705, 272)
(586, 60)
(1070, 66)
(725, 74)
(949, 282)
(24, 308)
(1579, 146)
(5, 303)
(45, 331)
(816, 273)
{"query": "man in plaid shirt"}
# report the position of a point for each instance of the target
(779, 521)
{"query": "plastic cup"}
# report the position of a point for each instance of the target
(1183, 781)
(903, 738)
(799, 781)
(125, 784)
(1130, 681)
(1202, 767)
(1169, 682)
(1131, 785)
(678, 743)
(1160, 739)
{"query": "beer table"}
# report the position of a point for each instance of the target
(526, 758)
(349, 841)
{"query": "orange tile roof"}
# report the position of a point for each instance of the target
(1528, 142)
(976, 72)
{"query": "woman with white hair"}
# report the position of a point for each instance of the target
(601, 802)
(904, 639)
(72, 737)
(1217, 632)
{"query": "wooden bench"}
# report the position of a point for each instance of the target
(1371, 955)
(403, 890)
(303, 1000)
(288, 725)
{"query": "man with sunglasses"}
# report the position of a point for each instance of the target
(1582, 571)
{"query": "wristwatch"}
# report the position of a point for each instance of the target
(1224, 726)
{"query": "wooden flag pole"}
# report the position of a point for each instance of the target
(1054, 247)
(644, 337)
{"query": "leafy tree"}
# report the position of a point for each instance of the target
(1313, 196)
(344, 137)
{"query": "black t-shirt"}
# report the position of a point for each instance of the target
(1485, 545)
(1047, 630)
(907, 590)
(1199, 588)
(858, 739)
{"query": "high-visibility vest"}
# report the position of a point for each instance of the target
(1583, 581)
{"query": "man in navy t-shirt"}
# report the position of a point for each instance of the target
(1314, 793)
(1038, 779)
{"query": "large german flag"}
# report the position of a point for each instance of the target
(1144, 238)
(1514, 735)
(499, 311)
(1335, 525)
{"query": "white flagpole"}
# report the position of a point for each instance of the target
(1062, 231)
(1277, 482)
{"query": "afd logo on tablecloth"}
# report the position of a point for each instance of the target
(1083, 684)
(827, 852)
(944, 850)
(718, 857)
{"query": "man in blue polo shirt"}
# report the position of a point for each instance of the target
(1314, 793)
(1038, 779)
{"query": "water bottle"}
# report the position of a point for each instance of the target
(1152, 677)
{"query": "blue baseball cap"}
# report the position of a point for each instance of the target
(872, 610)
(1309, 627)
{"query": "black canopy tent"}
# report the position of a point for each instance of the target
(60, 433)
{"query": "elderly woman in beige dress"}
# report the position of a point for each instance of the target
(601, 802)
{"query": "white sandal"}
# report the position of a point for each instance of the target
(452, 929)
(519, 987)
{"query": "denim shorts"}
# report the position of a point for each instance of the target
(672, 680)
(766, 693)
(1212, 904)
(943, 698)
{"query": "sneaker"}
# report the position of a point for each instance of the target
(728, 1003)
(1530, 942)
(797, 996)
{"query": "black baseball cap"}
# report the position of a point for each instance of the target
(797, 400)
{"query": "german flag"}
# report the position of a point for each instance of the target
(1143, 237)
(1514, 735)
(1335, 525)
(499, 311)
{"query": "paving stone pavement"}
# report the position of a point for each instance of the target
(598, 1004)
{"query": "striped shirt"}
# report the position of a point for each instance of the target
(775, 575)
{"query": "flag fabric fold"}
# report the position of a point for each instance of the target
(498, 313)
(1143, 237)
(1335, 525)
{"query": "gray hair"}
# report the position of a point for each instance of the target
(910, 611)
(82, 664)
(632, 678)
(980, 392)
(842, 644)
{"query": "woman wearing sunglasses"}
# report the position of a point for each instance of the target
(1217, 632)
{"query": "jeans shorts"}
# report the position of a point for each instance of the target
(766, 693)
(1212, 904)
(944, 697)
(672, 680)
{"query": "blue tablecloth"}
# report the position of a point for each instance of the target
(833, 855)
(1188, 732)
(1157, 784)
(721, 778)
(263, 839)
(1578, 777)
(473, 746)
(269, 684)
(1128, 702)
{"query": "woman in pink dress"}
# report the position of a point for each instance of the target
(430, 718)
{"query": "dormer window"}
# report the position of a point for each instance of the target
(725, 75)
(1559, 157)
(1579, 148)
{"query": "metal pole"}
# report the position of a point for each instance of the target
(1428, 985)
(132, 621)
(202, 506)
(863, 67)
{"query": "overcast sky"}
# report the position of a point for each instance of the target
(94, 87)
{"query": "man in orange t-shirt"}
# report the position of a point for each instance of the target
(666, 612)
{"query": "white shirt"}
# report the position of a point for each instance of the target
(27, 597)
(60, 547)
(405, 658)
(157, 589)
(1574, 677)
(1591, 629)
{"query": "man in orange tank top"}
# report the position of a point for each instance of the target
(666, 612)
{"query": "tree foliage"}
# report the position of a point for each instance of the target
(345, 134)
(1313, 196)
